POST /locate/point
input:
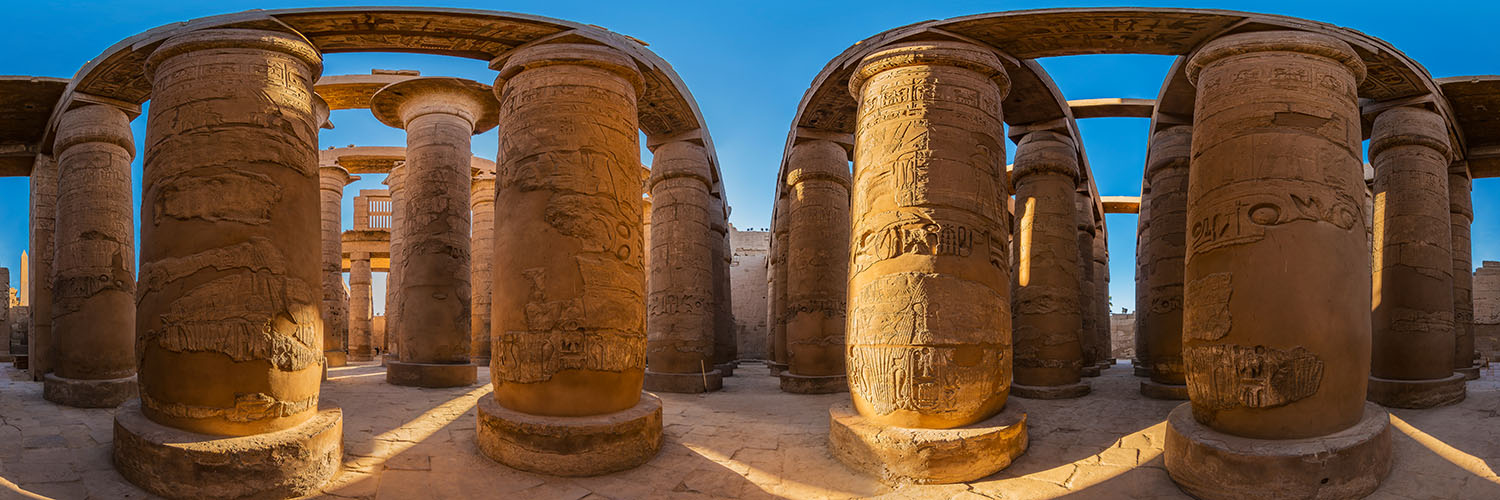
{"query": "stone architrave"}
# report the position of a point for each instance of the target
(817, 268)
(43, 221)
(481, 274)
(680, 306)
(1412, 310)
(229, 338)
(1101, 298)
(335, 311)
(440, 116)
(725, 346)
(1460, 216)
(777, 276)
(93, 295)
(1048, 317)
(1276, 316)
(360, 308)
(1165, 245)
(569, 347)
(929, 318)
(1143, 297)
(1083, 214)
(396, 185)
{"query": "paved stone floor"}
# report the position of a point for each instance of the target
(748, 441)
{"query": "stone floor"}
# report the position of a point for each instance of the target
(747, 441)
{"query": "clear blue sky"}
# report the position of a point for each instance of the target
(748, 63)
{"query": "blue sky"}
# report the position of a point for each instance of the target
(748, 64)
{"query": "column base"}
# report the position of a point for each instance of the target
(1079, 389)
(336, 358)
(484, 361)
(174, 463)
(684, 383)
(813, 384)
(1105, 364)
(432, 375)
(1089, 371)
(359, 358)
(1470, 373)
(1157, 390)
(776, 368)
(79, 393)
(1211, 465)
(1417, 393)
(570, 446)
(387, 359)
(1141, 371)
(21, 362)
(726, 369)
(901, 455)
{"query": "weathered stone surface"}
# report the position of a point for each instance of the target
(1460, 217)
(39, 343)
(1486, 290)
(690, 383)
(1142, 363)
(1059, 391)
(776, 283)
(361, 335)
(1425, 393)
(681, 304)
(813, 384)
(396, 184)
(1157, 390)
(817, 263)
(481, 273)
(902, 455)
(1083, 215)
(1165, 245)
(721, 255)
(1049, 288)
(89, 393)
(431, 374)
(335, 307)
(1100, 334)
(747, 276)
(571, 446)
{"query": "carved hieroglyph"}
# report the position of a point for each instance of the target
(43, 222)
(360, 320)
(1165, 246)
(818, 258)
(1083, 215)
(1413, 263)
(1143, 260)
(93, 294)
(229, 336)
(725, 348)
(680, 304)
(332, 179)
(481, 274)
(1048, 314)
(396, 184)
(1276, 270)
(928, 335)
(1460, 216)
(777, 276)
(1101, 297)
(569, 310)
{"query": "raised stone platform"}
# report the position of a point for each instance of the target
(1171, 392)
(430, 374)
(1417, 393)
(571, 446)
(684, 383)
(807, 384)
(900, 455)
(107, 393)
(1069, 391)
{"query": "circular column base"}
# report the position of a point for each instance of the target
(902, 455)
(1417, 393)
(776, 368)
(1157, 390)
(1090, 371)
(357, 357)
(1470, 373)
(1077, 390)
(432, 375)
(570, 446)
(683, 383)
(78, 393)
(812, 384)
(174, 463)
(1105, 364)
(1211, 465)
(1141, 371)
(726, 369)
(336, 358)
(477, 361)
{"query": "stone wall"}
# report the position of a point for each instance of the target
(747, 279)
(1487, 310)
(1122, 335)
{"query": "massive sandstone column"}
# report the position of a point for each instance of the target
(680, 299)
(1165, 245)
(1461, 215)
(1101, 298)
(5, 352)
(928, 337)
(817, 268)
(335, 311)
(43, 221)
(395, 183)
(1143, 296)
(360, 308)
(229, 339)
(1048, 317)
(481, 274)
(93, 310)
(1412, 311)
(440, 116)
(570, 350)
(777, 275)
(1083, 214)
(1276, 322)
(725, 350)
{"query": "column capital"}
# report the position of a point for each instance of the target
(1275, 41)
(1046, 152)
(1170, 147)
(818, 160)
(236, 38)
(93, 123)
(677, 160)
(942, 53)
(574, 54)
(399, 103)
(1409, 126)
(334, 177)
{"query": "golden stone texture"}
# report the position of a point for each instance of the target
(1164, 248)
(817, 268)
(360, 308)
(481, 275)
(680, 300)
(335, 306)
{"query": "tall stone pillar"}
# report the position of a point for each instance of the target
(335, 311)
(680, 304)
(229, 339)
(1412, 310)
(1101, 298)
(817, 268)
(481, 274)
(570, 351)
(777, 300)
(1143, 296)
(43, 222)
(1276, 325)
(928, 332)
(396, 185)
(1048, 315)
(724, 339)
(440, 116)
(5, 351)
(1083, 214)
(1165, 245)
(1460, 216)
(93, 309)
(360, 308)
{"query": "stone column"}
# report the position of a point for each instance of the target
(440, 116)
(5, 330)
(928, 331)
(229, 339)
(1083, 215)
(481, 274)
(1101, 298)
(396, 185)
(1143, 296)
(1165, 246)
(569, 347)
(335, 311)
(1048, 317)
(43, 222)
(817, 268)
(1276, 325)
(724, 344)
(680, 300)
(1412, 310)
(777, 300)
(93, 310)
(1460, 216)
(360, 307)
